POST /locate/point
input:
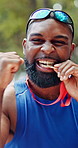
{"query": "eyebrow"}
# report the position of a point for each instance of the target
(61, 36)
(36, 34)
(56, 37)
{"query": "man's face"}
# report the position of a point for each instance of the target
(48, 42)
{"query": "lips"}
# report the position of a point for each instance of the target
(45, 65)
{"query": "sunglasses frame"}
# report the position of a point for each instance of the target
(51, 14)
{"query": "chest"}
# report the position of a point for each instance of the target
(48, 126)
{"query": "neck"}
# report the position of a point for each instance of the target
(50, 93)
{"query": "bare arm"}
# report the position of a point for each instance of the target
(9, 65)
(1, 96)
(8, 116)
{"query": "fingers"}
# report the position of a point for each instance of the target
(10, 60)
(66, 69)
(9, 64)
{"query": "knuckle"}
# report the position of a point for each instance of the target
(3, 60)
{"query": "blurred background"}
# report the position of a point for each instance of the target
(14, 15)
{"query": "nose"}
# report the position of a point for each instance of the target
(47, 48)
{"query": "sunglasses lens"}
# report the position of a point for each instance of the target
(39, 14)
(47, 13)
(62, 16)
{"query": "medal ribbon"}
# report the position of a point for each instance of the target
(63, 93)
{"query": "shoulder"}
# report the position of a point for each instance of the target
(9, 95)
(9, 105)
(20, 86)
(75, 109)
(75, 103)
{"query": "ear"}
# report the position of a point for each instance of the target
(72, 47)
(24, 45)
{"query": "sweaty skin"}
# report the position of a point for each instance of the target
(52, 41)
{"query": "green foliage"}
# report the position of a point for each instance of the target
(14, 15)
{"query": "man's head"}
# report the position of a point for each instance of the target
(49, 41)
(46, 13)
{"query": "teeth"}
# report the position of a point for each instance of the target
(46, 64)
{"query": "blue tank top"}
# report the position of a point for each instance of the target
(41, 126)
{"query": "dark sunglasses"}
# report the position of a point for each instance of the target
(48, 13)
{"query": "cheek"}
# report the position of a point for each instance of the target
(31, 53)
(64, 54)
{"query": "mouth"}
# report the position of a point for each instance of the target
(45, 65)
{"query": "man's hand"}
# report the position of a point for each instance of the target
(68, 73)
(9, 65)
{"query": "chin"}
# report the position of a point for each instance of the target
(41, 79)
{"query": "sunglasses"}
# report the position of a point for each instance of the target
(46, 13)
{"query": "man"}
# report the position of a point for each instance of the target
(40, 111)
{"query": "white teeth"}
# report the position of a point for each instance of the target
(46, 64)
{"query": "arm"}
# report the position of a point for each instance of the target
(9, 65)
(66, 69)
(8, 116)
(1, 96)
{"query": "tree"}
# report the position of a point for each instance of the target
(14, 15)
(46, 3)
